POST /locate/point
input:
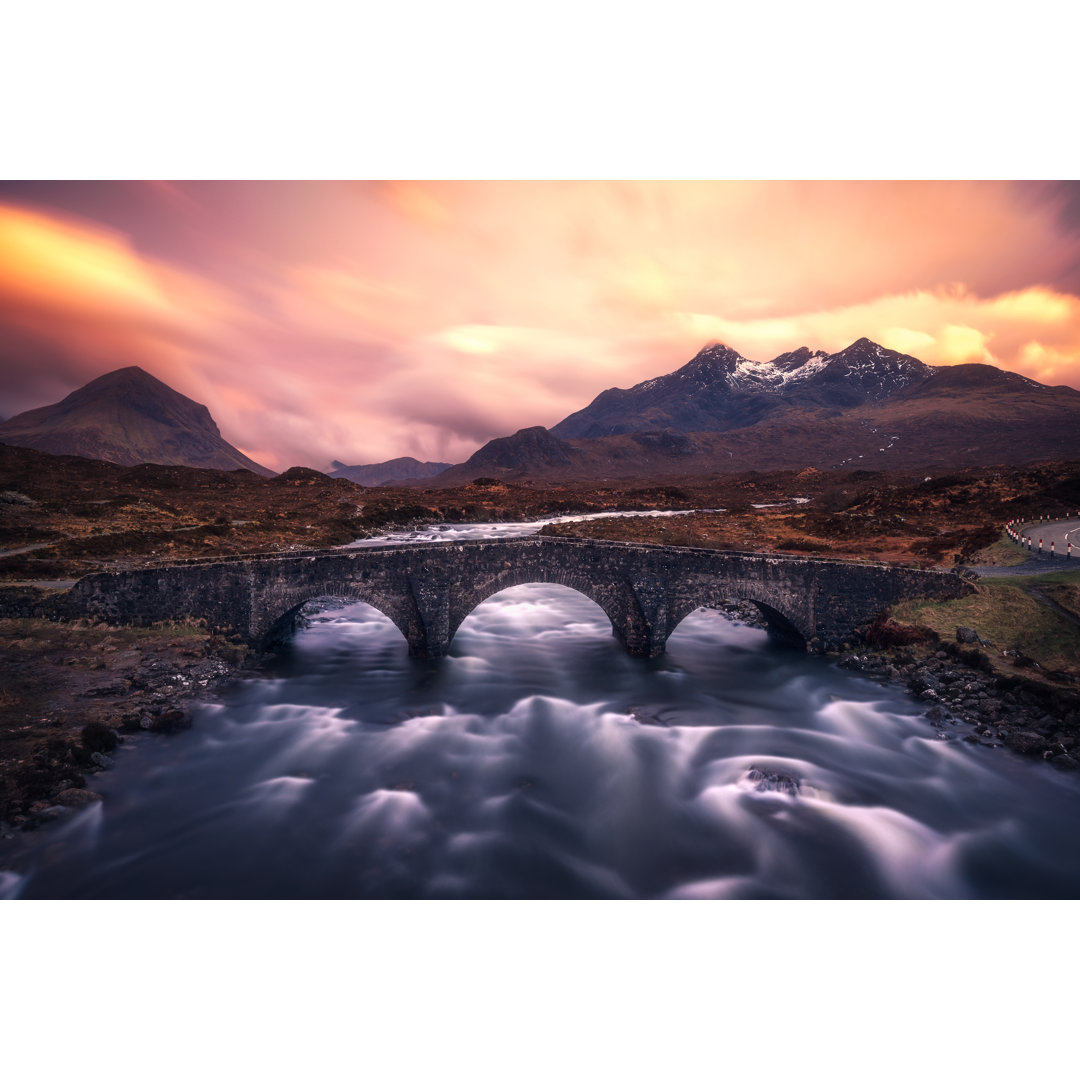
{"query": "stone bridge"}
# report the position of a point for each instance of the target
(428, 589)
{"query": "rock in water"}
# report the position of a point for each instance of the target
(773, 781)
(73, 796)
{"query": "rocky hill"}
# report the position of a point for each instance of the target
(521, 453)
(394, 471)
(128, 417)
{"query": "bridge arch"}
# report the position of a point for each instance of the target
(275, 632)
(563, 593)
(785, 627)
(616, 600)
(780, 628)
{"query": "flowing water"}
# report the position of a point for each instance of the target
(504, 529)
(539, 760)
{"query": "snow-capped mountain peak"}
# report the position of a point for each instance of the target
(719, 389)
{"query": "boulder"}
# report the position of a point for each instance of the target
(97, 736)
(1026, 742)
(171, 720)
(74, 796)
(764, 780)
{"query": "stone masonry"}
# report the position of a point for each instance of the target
(428, 589)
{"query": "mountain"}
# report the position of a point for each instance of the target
(863, 407)
(128, 417)
(719, 390)
(523, 453)
(394, 471)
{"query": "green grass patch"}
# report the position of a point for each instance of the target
(1065, 593)
(1002, 552)
(1061, 586)
(1004, 611)
(1051, 577)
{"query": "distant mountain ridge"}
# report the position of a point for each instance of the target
(394, 471)
(526, 450)
(128, 417)
(719, 390)
(865, 406)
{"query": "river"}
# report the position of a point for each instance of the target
(539, 760)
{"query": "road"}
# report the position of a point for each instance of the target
(8, 552)
(1061, 533)
(1058, 532)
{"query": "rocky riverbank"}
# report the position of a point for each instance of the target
(73, 692)
(969, 698)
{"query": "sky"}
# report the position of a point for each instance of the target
(361, 321)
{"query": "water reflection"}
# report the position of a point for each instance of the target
(539, 760)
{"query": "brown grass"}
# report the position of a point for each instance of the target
(1002, 552)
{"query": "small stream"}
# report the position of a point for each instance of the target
(503, 529)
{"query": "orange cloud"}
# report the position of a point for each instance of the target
(416, 202)
(960, 345)
(48, 263)
(1027, 330)
(86, 287)
(367, 320)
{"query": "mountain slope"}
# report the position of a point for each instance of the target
(128, 417)
(923, 433)
(719, 390)
(395, 471)
(864, 407)
(523, 453)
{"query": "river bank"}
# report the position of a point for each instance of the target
(969, 661)
(72, 692)
(968, 699)
(540, 760)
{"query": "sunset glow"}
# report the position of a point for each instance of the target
(363, 321)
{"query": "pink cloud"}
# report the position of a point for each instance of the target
(363, 321)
